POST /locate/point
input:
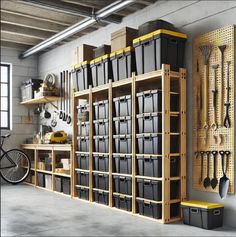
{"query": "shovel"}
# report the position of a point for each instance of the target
(61, 93)
(69, 99)
(224, 180)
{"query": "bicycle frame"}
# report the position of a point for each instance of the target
(9, 159)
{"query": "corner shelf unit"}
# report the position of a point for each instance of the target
(167, 81)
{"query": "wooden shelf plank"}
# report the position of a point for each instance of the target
(63, 175)
(148, 200)
(120, 174)
(122, 82)
(81, 93)
(41, 100)
(44, 171)
(147, 177)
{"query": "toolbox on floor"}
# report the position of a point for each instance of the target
(149, 209)
(149, 143)
(123, 143)
(58, 184)
(122, 164)
(174, 189)
(101, 50)
(174, 166)
(149, 123)
(101, 70)
(122, 184)
(174, 143)
(101, 127)
(122, 125)
(201, 214)
(122, 106)
(48, 181)
(101, 162)
(149, 166)
(83, 161)
(157, 48)
(101, 144)
(149, 189)
(122, 202)
(66, 186)
(28, 87)
(83, 144)
(123, 63)
(82, 178)
(83, 192)
(101, 197)
(41, 180)
(101, 110)
(83, 128)
(101, 181)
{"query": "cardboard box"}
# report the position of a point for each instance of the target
(41, 165)
(83, 53)
(123, 38)
(66, 163)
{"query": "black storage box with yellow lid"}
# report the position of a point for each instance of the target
(123, 63)
(101, 70)
(201, 214)
(122, 164)
(101, 197)
(157, 48)
(122, 202)
(122, 125)
(82, 74)
(101, 162)
(83, 192)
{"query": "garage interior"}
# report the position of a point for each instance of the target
(125, 111)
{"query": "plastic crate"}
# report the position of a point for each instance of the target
(101, 127)
(122, 202)
(123, 106)
(83, 161)
(123, 143)
(174, 166)
(101, 110)
(41, 180)
(149, 123)
(123, 125)
(83, 144)
(83, 128)
(83, 193)
(101, 197)
(122, 164)
(66, 186)
(82, 178)
(174, 189)
(122, 184)
(58, 184)
(101, 181)
(101, 144)
(101, 162)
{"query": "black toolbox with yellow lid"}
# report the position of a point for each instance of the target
(157, 48)
(201, 214)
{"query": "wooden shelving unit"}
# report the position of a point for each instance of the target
(41, 100)
(166, 81)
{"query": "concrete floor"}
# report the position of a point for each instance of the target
(29, 211)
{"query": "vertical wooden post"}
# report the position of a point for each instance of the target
(36, 166)
(90, 144)
(53, 169)
(165, 143)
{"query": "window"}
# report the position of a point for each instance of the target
(5, 106)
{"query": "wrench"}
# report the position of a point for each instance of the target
(227, 103)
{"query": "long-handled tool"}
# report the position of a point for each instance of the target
(222, 49)
(214, 92)
(207, 181)
(61, 95)
(69, 100)
(214, 180)
(202, 157)
(227, 103)
(65, 96)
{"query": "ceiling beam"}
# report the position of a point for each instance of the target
(7, 44)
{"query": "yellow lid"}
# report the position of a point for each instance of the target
(161, 31)
(127, 49)
(201, 204)
(99, 58)
(75, 66)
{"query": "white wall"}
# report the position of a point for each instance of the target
(191, 17)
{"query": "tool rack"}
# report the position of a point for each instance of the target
(166, 80)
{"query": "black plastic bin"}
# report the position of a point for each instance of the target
(122, 125)
(83, 144)
(58, 184)
(101, 144)
(149, 143)
(101, 197)
(101, 181)
(122, 184)
(101, 110)
(101, 162)
(83, 161)
(66, 186)
(83, 193)
(122, 202)
(122, 164)
(83, 178)
(123, 143)
(123, 63)
(123, 106)
(149, 166)
(174, 166)
(101, 70)
(41, 180)
(174, 189)
(157, 48)
(149, 209)
(101, 127)
(149, 123)
(149, 189)
(101, 50)
(83, 128)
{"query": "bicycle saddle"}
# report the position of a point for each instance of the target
(6, 135)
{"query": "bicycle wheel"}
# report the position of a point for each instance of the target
(20, 171)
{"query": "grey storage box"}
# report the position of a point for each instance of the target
(101, 127)
(122, 125)
(101, 162)
(123, 143)
(101, 144)
(122, 164)
(123, 106)
(83, 144)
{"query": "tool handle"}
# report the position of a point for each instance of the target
(202, 156)
(227, 153)
(214, 160)
(205, 93)
(222, 153)
(208, 162)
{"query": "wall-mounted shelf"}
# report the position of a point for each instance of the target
(41, 100)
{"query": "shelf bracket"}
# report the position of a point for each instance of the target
(56, 107)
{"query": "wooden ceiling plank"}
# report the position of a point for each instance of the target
(7, 44)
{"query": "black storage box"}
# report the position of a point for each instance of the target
(83, 128)
(101, 50)
(122, 184)
(66, 186)
(149, 189)
(149, 209)
(58, 184)
(149, 166)
(101, 144)
(174, 189)
(123, 164)
(101, 197)
(83, 193)
(149, 123)
(174, 166)
(41, 180)
(123, 63)
(122, 202)
(123, 106)
(101, 70)
(83, 161)
(123, 143)
(157, 48)
(150, 143)
(122, 125)
(83, 178)
(101, 181)
(101, 110)
(28, 88)
(101, 162)
(101, 127)
(205, 215)
(83, 144)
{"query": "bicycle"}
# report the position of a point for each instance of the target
(14, 164)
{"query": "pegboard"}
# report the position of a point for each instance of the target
(222, 138)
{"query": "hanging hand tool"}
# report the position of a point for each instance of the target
(214, 180)
(201, 166)
(222, 49)
(61, 112)
(65, 97)
(214, 92)
(227, 103)
(69, 99)
(207, 181)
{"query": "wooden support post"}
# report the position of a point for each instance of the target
(90, 144)
(36, 153)
(53, 170)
